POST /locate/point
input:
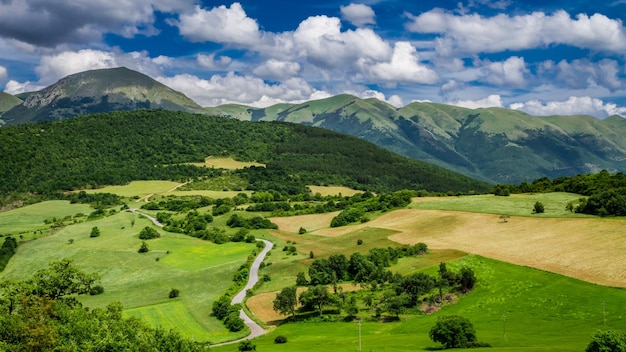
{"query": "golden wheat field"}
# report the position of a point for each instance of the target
(590, 249)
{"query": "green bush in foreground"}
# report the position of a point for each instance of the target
(453, 331)
(607, 341)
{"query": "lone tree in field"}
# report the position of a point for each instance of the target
(285, 301)
(453, 331)
(149, 233)
(144, 248)
(95, 232)
(504, 218)
(538, 208)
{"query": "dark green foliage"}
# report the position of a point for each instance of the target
(233, 322)
(144, 248)
(220, 307)
(286, 301)
(538, 208)
(302, 231)
(96, 290)
(241, 235)
(95, 199)
(280, 339)
(256, 222)
(42, 315)
(359, 242)
(301, 279)
(453, 331)
(148, 233)
(246, 345)
(467, 279)
(315, 297)
(7, 251)
(95, 232)
(113, 148)
(607, 341)
(358, 205)
(174, 293)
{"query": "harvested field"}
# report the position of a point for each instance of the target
(228, 163)
(310, 222)
(262, 305)
(590, 249)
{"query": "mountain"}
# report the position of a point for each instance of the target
(98, 91)
(7, 102)
(493, 144)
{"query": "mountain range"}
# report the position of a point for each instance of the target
(491, 144)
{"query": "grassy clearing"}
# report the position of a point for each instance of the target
(137, 188)
(333, 190)
(31, 217)
(544, 312)
(202, 271)
(207, 193)
(228, 163)
(513, 205)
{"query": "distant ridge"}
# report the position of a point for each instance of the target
(492, 144)
(118, 89)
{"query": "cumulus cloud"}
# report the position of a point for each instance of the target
(358, 14)
(233, 88)
(3, 73)
(277, 70)
(581, 74)
(572, 106)
(14, 87)
(229, 25)
(66, 63)
(510, 72)
(49, 23)
(493, 100)
(473, 33)
(404, 66)
(214, 63)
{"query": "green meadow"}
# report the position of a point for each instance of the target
(200, 270)
(513, 205)
(137, 188)
(31, 217)
(513, 308)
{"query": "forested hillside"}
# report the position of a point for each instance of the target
(118, 147)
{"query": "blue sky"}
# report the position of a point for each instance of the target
(539, 56)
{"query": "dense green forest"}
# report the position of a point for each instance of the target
(118, 147)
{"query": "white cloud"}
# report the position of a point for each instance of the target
(277, 70)
(214, 63)
(229, 25)
(572, 106)
(404, 66)
(510, 72)
(581, 74)
(358, 14)
(14, 87)
(493, 100)
(234, 88)
(475, 33)
(51, 68)
(3, 73)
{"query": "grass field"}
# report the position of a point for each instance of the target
(333, 190)
(202, 271)
(31, 217)
(544, 312)
(513, 205)
(138, 188)
(228, 163)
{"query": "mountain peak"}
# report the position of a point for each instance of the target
(98, 91)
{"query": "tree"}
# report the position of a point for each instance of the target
(607, 341)
(149, 233)
(246, 346)
(63, 278)
(286, 301)
(453, 331)
(301, 279)
(144, 247)
(315, 297)
(538, 208)
(95, 232)
(467, 279)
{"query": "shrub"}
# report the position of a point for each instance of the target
(359, 242)
(96, 290)
(144, 248)
(233, 322)
(246, 346)
(302, 231)
(280, 339)
(174, 293)
(538, 208)
(95, 232)
(453, 331)
(148, 233)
